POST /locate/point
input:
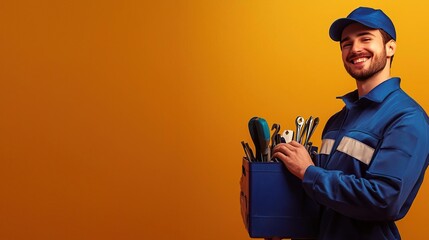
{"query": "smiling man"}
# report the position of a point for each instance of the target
(375, 150)
(365, 54)
(362, 44)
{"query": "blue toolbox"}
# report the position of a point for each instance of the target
(274, 204)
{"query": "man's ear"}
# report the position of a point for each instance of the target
(391, 48)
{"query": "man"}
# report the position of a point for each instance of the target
(375, 150)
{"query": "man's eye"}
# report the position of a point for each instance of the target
(346, 45)
(367, 39)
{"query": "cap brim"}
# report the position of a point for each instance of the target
(337, 28)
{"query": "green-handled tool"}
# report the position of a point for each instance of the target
(260, 133)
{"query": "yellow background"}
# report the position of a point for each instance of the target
(123, 119)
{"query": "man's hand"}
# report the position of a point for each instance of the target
(294, 156)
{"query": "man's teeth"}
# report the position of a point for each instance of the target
(360, 60)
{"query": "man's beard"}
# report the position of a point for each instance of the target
(377, 65)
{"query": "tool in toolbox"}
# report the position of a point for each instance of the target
(252, 156)
(248, 151)
(308, 125)
(299, 122)
(287, 136)
(260, 133)
(311, 128)
(275, 137)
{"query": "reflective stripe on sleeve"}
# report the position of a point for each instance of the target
(356, 149)
(327, 145)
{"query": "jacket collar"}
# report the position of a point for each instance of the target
(376, 95)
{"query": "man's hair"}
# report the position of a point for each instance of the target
(386, 38)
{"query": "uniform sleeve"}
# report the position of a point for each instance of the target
(391, 182)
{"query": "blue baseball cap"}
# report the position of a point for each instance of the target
(372, 18)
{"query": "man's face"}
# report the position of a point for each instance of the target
(363, 51)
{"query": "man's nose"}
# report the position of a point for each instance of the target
(356, 47)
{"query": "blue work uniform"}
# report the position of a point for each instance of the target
(371, 164)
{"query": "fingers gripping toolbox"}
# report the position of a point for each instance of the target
(273, 202)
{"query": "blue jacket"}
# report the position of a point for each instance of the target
(371, 164)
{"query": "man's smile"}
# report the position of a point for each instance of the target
(358, 59)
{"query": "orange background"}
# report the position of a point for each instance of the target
(123, 119)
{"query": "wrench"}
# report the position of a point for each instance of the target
(308, 127)
(312, 129)
(299, 122)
